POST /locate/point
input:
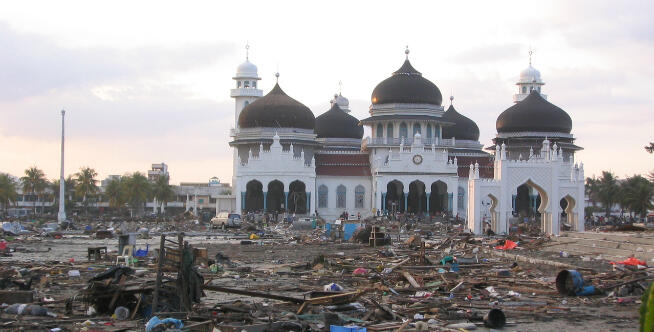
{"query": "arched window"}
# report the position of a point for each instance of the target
(428, 131)
(238, 84)
(416, 129)
(380, 130)
(246, 103)
(254, 84)
(461, 199)
(322, 196)
(403, 130)
(246, 84)
(359, 192)
(340, 197)
(524, 89)
(437, 131)
(389, 130)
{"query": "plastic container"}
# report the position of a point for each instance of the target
(121, 313)
(569, 282)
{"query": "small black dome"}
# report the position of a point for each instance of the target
(463, 127)
(276, 109)
(407, 86)
(536, 114)
(335, 123)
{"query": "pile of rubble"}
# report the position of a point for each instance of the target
(385, 276)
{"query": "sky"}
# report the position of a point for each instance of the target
(145, 82)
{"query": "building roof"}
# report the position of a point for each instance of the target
(392, 117)
(406, 85)
(276, 109)
(534, 114)
(335, 123)
(342, 164)
(464, 128)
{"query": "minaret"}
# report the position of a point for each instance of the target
(529, 80)
(246, 90)
(61, 216)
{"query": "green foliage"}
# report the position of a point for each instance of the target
(86, 185)
(636, 194)
(650, 148)
(162, 191)
(8, 193)
(647, 310)
(34, 182)
(137, 190)
(608, 191)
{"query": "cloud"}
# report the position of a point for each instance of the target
(488, 53)
(34, 64)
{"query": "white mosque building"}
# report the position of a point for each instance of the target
(421, 158)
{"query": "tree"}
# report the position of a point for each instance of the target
(115, 193)
(69, 188)
(608, 191)
(86, 185)
(34, 182)
(162, 191)
(137, 190)
(592, 190)
(637, 194)
(650, 148)
(8, 193)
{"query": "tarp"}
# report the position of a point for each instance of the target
(508, 245)
(14, 228)
(633, 261)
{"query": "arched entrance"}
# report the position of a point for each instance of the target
(438, 198)
(530, 201)
(275, 196)
(568, 215)
(490, 216)
(253, 196)
(297, 197)
(417, 199)
(395, 196)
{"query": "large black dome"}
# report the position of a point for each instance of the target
(406, 85)
(335, 123)
(276, 109)
(535, 114)
(463, 128)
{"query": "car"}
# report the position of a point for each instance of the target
(226, 219)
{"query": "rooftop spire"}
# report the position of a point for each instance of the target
(277, 77)
(530, 53)
(247, 51)
(340, 87)
(406, 51)
(451, 100)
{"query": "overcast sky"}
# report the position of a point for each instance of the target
(148, 81)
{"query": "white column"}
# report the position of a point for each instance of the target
(61, 216)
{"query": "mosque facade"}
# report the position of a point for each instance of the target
(420, 158)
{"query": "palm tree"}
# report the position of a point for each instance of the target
(8, 192)
(592, 190)
(69, 187)
(34, 182)
(115, 193)
(608, 191)
(86, 185)
(637, 194)
(137, 190)
(650, 148)
(162, 191)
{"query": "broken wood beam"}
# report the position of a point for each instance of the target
(253, 293)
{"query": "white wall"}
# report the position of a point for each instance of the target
(350, 183)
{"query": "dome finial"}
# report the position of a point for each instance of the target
(451, 99)
(277, 77)
(530, 53)
(340, 87)
(406, 51)
(247, 50)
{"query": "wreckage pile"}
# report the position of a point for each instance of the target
(386, 276)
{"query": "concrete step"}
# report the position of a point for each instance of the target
(635, 237)
(608, 244)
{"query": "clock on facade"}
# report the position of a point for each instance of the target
(417, 159)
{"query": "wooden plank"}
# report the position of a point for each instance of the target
(410, 279)
(253, 293)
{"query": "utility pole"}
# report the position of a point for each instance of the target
(61, 216)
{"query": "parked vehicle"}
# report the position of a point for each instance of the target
(226, 219)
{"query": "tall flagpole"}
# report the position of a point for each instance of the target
(61, 217)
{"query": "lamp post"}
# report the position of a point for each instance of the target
(61, 216)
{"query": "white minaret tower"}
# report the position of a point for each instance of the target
(246, 90)
(529, 80)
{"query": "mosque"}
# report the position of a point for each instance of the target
(421, 158)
